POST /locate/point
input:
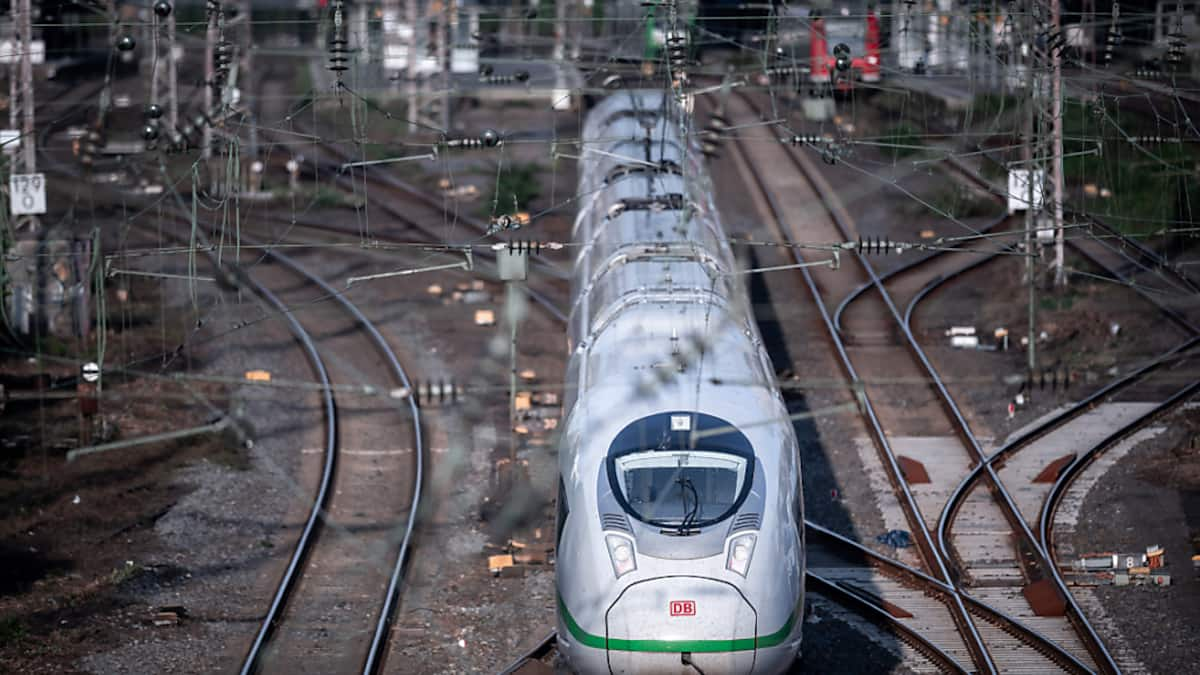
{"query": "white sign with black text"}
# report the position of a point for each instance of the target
(27, 194)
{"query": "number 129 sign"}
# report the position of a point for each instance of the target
(27, 194)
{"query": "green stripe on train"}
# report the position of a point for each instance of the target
(696, 646)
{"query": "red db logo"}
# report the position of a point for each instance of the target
(683, 608)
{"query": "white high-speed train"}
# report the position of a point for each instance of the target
(680, 524)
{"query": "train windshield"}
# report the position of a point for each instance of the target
(680, 489)
(849, 31)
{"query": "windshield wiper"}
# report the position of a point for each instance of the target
(689, 515)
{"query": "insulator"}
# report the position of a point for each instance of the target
(153, 111)
(485, 70)
(222, 58)
(1057, 379)
(126, 43)
(1114, 38)
(1146, 140)
(877, 246)
(520, 76)
(90, 146)
(1176, 43)
(436, 393)
(150, 132)
(338, 43)
(530, 247)
(162, 9)
(489, 138)
(805, 139)
(781, 72)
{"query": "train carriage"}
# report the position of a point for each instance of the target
(680, 509)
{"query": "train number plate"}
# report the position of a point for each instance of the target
(683, 608)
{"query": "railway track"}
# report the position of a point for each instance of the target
(978, 644)
(1041, 463)
(335, 602)
(337, 595)
(1125, 262)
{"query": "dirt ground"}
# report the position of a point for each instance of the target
(1151, 498)
(75, 536)
(1078, 325)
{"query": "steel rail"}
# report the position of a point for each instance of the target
(1076, 468)
(535, 653)
(1011, 625)
(1001, 455)
(878, 615)
(305, 541)
(321, 499)
(377, 650)
(906, 267)
(971, 635)
(1091, 639)
(304, 544)
(378, 643)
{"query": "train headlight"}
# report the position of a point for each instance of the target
(620, 551)
(873, 60)
(741, 550)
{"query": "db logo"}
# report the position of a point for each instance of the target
(683, 608)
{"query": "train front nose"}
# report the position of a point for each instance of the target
(654, 623)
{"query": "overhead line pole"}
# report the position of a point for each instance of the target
(414, 102)
(22, 87)
(1056, 124)
(210, 74)
(1028, 152)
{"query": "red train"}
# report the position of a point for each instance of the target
(844, 45)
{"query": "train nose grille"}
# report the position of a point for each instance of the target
(746, 521)
(656, 620)
(615, 521)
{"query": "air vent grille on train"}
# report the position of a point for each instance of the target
(746, 521)
(615, 521)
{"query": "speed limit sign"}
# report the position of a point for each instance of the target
(27, 194)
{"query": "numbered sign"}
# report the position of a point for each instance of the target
(27, 194)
